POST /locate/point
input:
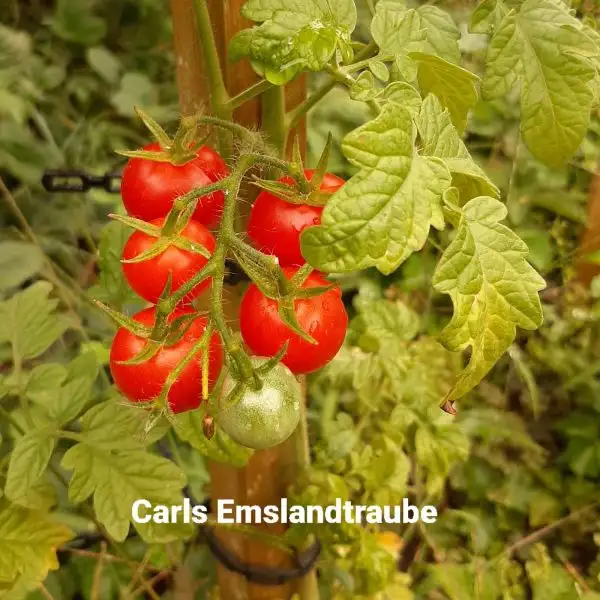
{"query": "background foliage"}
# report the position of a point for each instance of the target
(515, 477)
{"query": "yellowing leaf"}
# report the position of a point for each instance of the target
(440, 138)
(546, 49)
(453, 85)
(28, 542)
(492, 286)
(384, 213)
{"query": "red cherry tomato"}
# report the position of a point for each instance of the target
(149, 278)
(149, 187)
(143, 382)
(323, 317)
(275, 225)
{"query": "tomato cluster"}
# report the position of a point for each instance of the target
(149, 190)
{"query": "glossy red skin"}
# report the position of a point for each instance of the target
(143, 382)
(275, 225)
(149, 278)
(323, 317)
(149, 188)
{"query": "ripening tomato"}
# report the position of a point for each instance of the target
(149, 278)
(149, 187)
(262, 418)
(143, 382)
(323, 317)
(275, 225)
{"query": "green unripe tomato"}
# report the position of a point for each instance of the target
(266, 417)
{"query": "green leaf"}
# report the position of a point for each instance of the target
(293, 36)
(440, 138)
(28, 542)
(111, 424)
(442, 33)
(111, 287)
(493, 289)
(397, 30)
(105, 63)
(380, 71)
(117, 478)
(404, 94)
(15, 47)
(384, 213)
(75, 21)
(544, 47)
(136, 90)
(44, 381)
(76, 391)
(453, 85)
(28, 321)
(364, 88)
(28, 461)
(19, 261)
(189, 428)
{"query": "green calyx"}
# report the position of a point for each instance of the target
(177, 150)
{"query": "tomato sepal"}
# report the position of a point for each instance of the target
(124, 321)
(137, 224)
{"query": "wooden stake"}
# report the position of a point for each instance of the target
(266, 478)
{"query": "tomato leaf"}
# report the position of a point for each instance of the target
(189, 428)
(293, 36)
(28, 461)
(28, 541)
(384, 213)
(545, 48)
(492, 286)
(453, 85)
(440, 138)
(28, 321)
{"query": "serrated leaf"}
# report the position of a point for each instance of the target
(28, 542)
(293, 36)
(453, 85)
(544, 47)
(28, 321)
(384, 213)
(44, 382)
(117, 478)
(440, 138)
(492, 286)
(111, 424)
(19, 261)
(28, 461)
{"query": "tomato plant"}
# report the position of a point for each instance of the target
(149, 277)
(265, 417)
(430, 212)
(322, 317)
(144, 382)
(149, 187)
(275, 225)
